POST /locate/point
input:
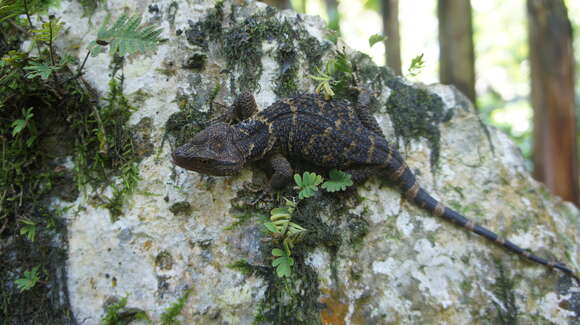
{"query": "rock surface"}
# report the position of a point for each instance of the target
(371, 257)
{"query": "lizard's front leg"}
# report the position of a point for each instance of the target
(282, 171)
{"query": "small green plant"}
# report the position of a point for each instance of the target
(288, 233)
(376, 38)
(335, 77)
(417, 64)
(20, 124)
(125, 36)
(283, 230)
(283, 262)
(338, 181)
(29, 280)
(281, 226)
(170, 314)
(38, 69)
(307, 184)
(28, 228)
(112, 314)
(324, 84)
(116, 313)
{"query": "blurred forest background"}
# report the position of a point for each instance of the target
(514, 59)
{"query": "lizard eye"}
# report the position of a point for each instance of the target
(204, 161)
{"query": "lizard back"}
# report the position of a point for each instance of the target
(324, 132)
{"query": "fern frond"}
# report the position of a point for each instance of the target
(49, 31)
(126, 36)
(9, 9)
(12, 8)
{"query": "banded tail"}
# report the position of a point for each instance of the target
(406, 180)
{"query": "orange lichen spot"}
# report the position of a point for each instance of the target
(335, 311)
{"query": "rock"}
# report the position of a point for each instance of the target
(369, 257)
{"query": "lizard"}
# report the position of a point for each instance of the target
(329, 133)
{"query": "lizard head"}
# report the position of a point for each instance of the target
(212, 151)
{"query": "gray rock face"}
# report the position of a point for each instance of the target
(370, 257)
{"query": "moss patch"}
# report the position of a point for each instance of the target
(43, 124)
(241, 46)
(508, 312)
(417, 113)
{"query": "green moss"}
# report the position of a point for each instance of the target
(416, 113)
(35, 136)
(42, 123)
(313, 50)
(201, 32)
(359, 228)
(164, 260)
(370, 75)
(242, 266)
(170, 314)
(503, 288)
(182, 208)
(196, 62)
(296, 300)
(116, 313)
(195, 112)
(241, 46)
(108, 150)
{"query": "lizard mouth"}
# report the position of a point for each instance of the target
(207, 166)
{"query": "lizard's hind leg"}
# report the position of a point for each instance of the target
(364, 114)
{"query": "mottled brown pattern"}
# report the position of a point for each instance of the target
(328, 133)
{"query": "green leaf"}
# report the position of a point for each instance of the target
(298, 179)
(417, 64)
(277, 261)
(271, 227)
(39, 70)
(284, 268)
(18, 126)
(278, 252)
(308, 184)
(49, 31)
(126, 36)
(280, 213)
(283, 263)
(29, 281)
(376, 38)
(338, 181)
(28, 229)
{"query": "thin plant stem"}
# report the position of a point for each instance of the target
(30, 23)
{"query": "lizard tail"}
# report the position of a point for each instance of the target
(414, 193)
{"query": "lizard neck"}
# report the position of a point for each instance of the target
(254, 139)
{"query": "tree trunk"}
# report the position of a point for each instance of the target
(390, 12)
(552, 82)
(456, 54)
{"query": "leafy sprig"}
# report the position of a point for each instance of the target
(338, 181)
(29, 280)
(417, 64)
(125, 36)
(283, 262)
(307, 184)
(336, 74)
(376, 38)
(28, 228)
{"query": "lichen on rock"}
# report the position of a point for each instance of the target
(370, 258)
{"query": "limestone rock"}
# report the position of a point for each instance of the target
(370, 257)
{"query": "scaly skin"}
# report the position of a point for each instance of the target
(328, 133)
